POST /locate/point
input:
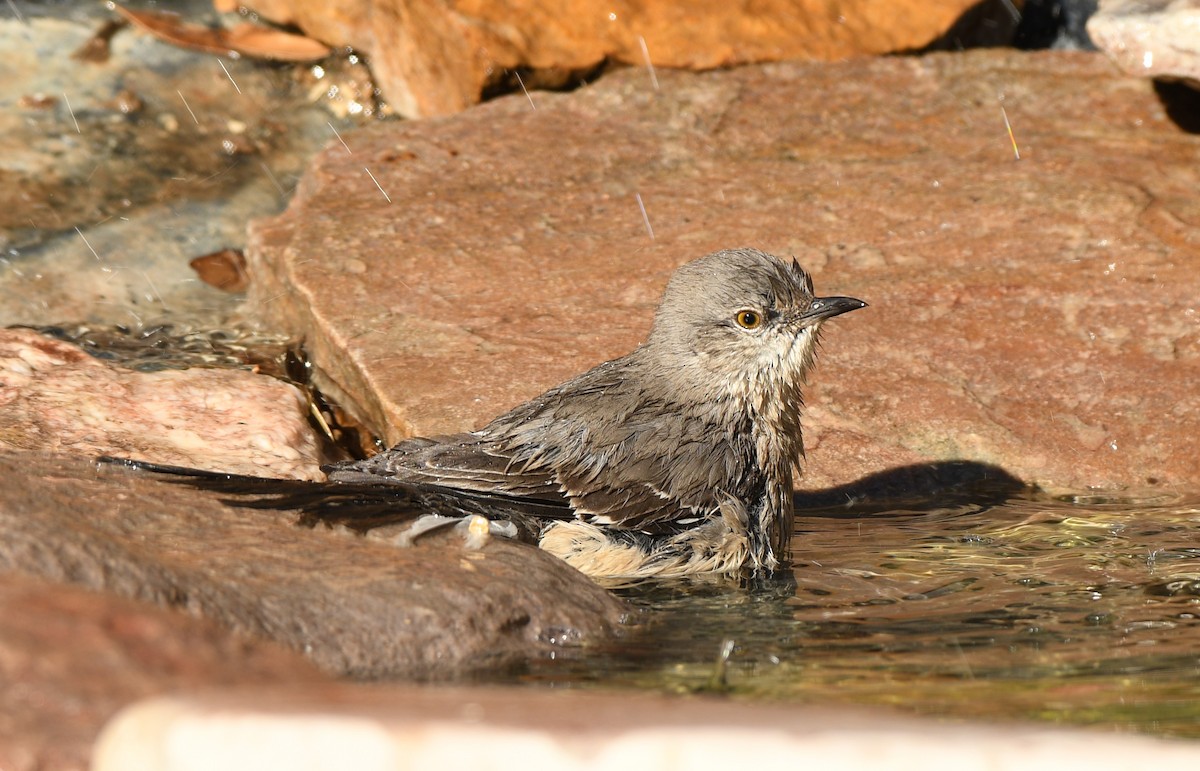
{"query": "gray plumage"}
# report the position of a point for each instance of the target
(676, 458)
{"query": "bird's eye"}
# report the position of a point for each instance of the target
(749, 319)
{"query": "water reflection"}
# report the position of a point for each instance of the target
(990, 601)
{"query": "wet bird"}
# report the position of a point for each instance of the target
(678, 458)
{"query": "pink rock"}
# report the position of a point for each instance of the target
(53, 396)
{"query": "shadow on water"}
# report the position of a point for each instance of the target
(948, 589)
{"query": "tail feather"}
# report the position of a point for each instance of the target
(360, 506)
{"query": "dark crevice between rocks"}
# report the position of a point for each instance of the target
(1055, 24)
(1181, 102)
(341, 434)
(1035, 26)
(510, 81)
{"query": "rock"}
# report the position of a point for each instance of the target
(56, 397)
(71, 658)
(340, 726)
(1150, 38)
(354, 605)
(432, 59)
(1036, 314)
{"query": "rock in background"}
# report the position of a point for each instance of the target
(434, 58)
(1036, 313)
(1151, 38)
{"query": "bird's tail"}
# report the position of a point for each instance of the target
(360, 506)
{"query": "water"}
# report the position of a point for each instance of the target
(1069, 609)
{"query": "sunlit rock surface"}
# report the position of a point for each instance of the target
(432, 58)
(341, 726)
(71, 658)
(54, 397)
(1151, 38)
(354, 605)
(1039, 313)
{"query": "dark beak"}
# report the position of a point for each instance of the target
(828, 307)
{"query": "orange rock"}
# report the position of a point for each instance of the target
(432, 58)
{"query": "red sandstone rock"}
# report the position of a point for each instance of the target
(1039, 314)
(435, 58)
(54, 396)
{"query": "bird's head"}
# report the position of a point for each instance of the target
(745, 320)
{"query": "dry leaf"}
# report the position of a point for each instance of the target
(265, 43)
(244, 39)
(226, 270)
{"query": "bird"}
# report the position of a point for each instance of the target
(676, 459)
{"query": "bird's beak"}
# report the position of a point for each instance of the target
(828, 307)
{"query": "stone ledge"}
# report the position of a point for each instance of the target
(378, 729)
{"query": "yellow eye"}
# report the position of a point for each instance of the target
(749, 319)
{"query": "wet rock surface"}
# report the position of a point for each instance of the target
(1036, 314)
(434, 59)
(54, 397)
(353, 605)
(71, 658)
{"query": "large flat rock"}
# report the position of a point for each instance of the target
(355, 605)
(1038, 314)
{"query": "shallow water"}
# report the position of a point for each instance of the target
(1072, 609)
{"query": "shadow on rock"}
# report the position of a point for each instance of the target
(1181, 103)
(919, 487)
